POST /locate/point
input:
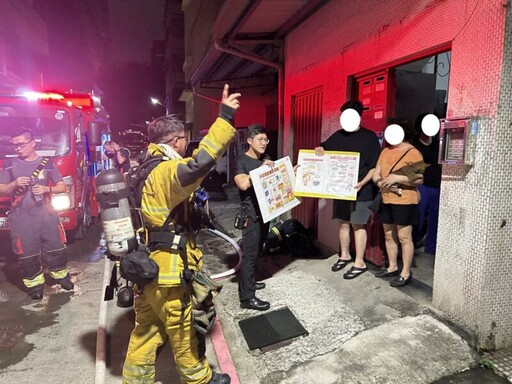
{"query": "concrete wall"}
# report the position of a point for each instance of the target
(354, 37)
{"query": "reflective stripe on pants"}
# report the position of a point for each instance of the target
(159, 314)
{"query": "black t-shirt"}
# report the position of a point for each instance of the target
(367, 144)
(432, 175)
(125, 167)
(249, 203)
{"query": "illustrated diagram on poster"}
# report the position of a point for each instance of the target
(274, 188)
(331, 176)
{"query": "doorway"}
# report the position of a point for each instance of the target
(421, 87)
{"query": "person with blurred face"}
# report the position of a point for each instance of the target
(430, 190)
(36, 232)
(399, 201)
(354, 213)
(120, 156)
(163, 310)
(255, 231)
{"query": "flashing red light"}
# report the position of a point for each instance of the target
(32, 96)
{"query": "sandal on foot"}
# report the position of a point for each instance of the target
(353, 272)
(340, 264)
(385, 273)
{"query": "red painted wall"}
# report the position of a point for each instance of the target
(353, 38)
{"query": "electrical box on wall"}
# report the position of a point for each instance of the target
(457, 141)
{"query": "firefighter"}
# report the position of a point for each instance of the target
(36, 231)
(164, 309)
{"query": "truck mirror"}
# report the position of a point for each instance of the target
(94, 133)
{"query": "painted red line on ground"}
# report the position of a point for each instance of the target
(220, 346)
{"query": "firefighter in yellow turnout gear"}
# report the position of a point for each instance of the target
(164, 310)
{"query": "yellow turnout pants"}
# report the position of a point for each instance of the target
(159, 313)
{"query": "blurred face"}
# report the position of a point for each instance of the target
(177, 141)
(23, 146)
(258, 143)
(109, 151)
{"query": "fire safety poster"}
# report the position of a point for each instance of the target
(331, 176)
(274, 188)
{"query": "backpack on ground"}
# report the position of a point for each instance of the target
(291, 236)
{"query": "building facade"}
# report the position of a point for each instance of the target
(335, 50)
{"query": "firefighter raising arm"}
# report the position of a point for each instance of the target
(214, 144)
(165, 307)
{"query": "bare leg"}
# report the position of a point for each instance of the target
(405, 238)
(345, 240)
(391, 245)
(360, 237)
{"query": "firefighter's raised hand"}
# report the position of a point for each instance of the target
(230, 100)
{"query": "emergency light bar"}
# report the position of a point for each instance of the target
(33, 96)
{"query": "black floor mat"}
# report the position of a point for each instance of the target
(271, 328)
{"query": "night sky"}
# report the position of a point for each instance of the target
(105, 46)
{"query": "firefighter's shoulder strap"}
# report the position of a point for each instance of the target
(136, 178)
(8, 166)
(138, 174)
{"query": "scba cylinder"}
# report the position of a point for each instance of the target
(112, 195)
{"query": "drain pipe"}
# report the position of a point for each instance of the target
(280, 87)
(203, 96)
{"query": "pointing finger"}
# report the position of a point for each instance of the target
(225, 92)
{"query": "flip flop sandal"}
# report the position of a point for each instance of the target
(353, 272)
(340, 264)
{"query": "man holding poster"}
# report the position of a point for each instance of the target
(353, 138)
(254, 231)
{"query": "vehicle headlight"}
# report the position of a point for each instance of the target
(61, 202)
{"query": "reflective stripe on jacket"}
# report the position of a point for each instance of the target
(173, 182)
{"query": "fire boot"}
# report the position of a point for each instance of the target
(220, 378)
(66, 283)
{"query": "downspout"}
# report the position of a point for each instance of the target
(280, 87)
(203, 96)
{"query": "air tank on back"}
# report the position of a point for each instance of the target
(112, 195)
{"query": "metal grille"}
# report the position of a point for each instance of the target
(306, 130)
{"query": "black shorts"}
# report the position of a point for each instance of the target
(399, 214)
(356, 212)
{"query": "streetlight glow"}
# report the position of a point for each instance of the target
(156, 101)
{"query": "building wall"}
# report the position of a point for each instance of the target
(200, 16)
(252, 110)
(324, 52)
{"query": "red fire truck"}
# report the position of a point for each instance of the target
(70, 128)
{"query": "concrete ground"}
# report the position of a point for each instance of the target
(359, 331)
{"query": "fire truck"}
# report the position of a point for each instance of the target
(70, 128)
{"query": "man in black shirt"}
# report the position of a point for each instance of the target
(357, 213)
(120, 156)
(255, 231)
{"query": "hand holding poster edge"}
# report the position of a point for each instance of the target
(315, 176)
(274, 188)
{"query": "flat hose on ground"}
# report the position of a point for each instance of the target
(238, 250)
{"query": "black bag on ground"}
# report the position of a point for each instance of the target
(291, 236)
